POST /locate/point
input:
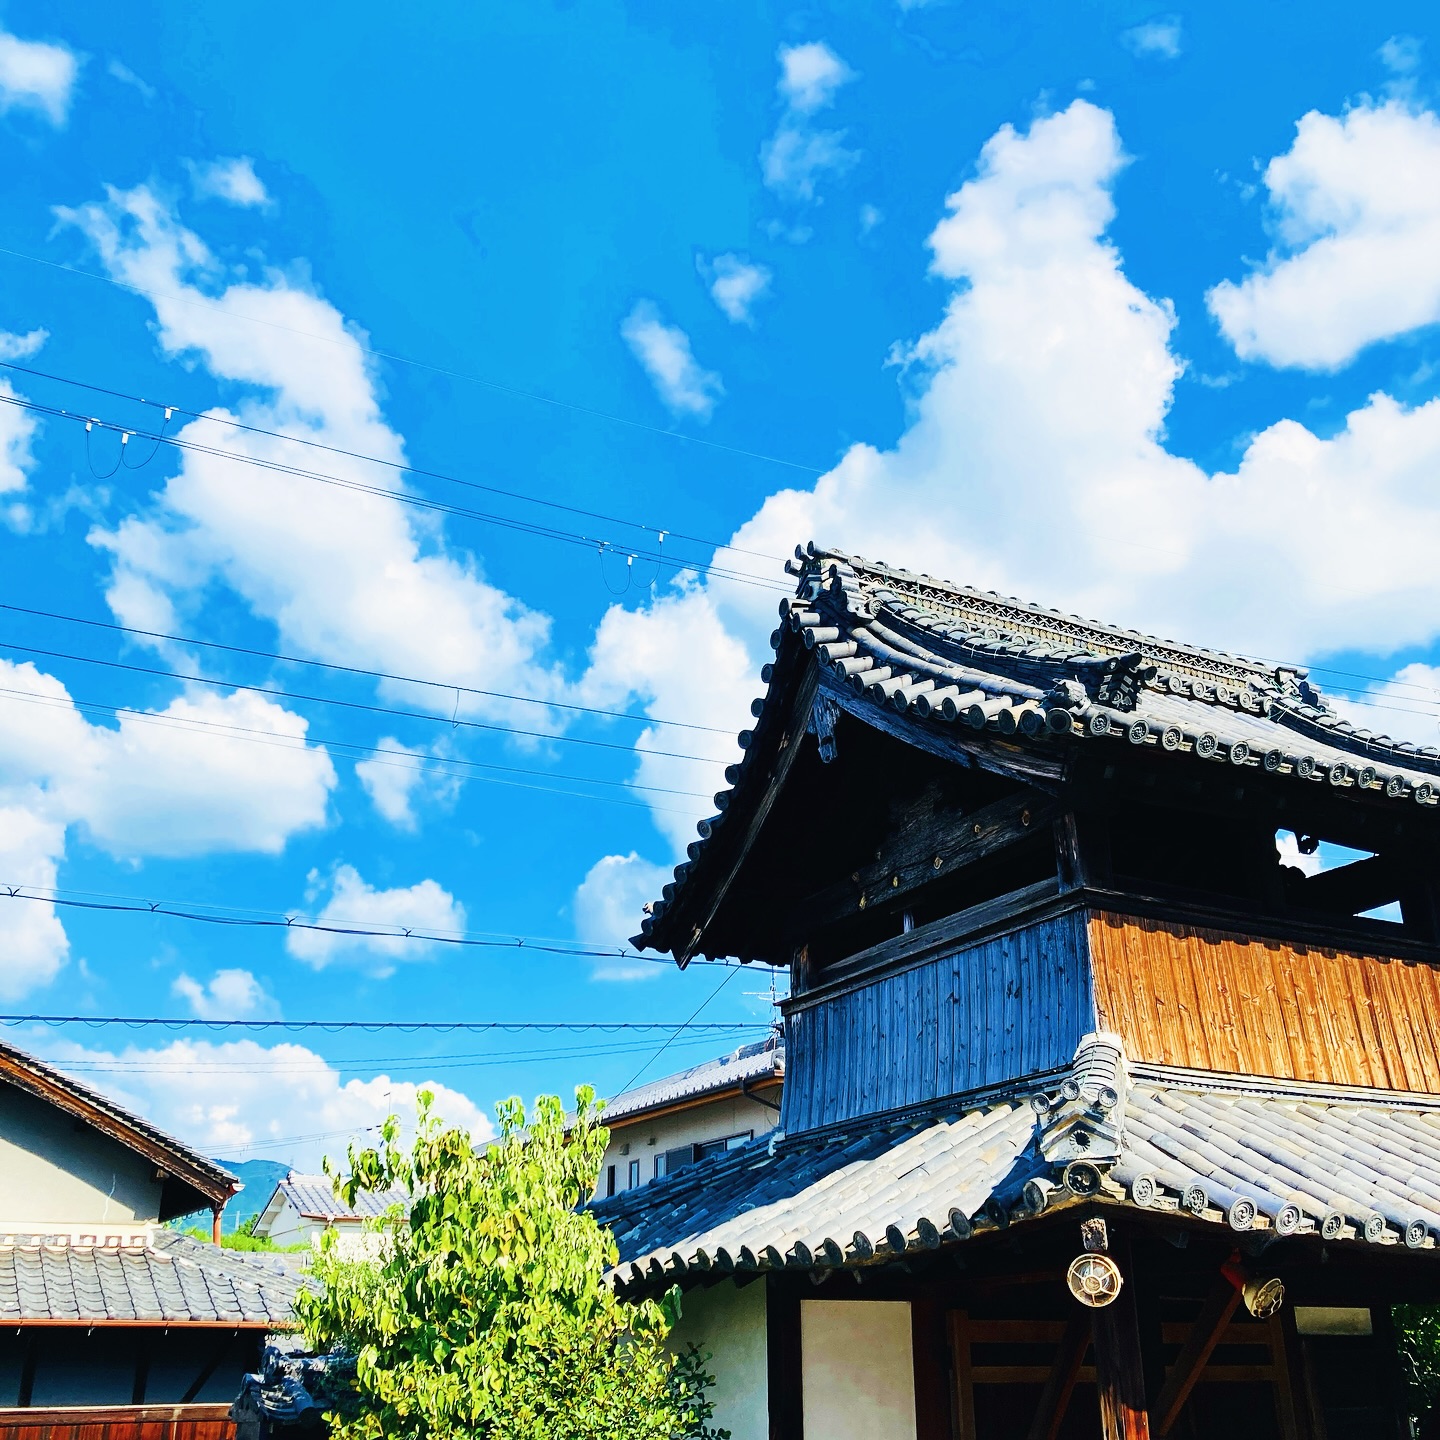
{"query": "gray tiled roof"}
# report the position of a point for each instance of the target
(314, 1197)
(750, 1064)
(173, 1279)
(1362, 1170)
(966, 663)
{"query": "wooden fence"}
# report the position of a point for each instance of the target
(117, 1422)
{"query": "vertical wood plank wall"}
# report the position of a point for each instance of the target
(118, 1422)
(1007, 1006)
(1208, 1000)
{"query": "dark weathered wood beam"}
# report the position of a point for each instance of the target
(783, 1360)
(1351, 889)
(1204, 1336)
(932, 1398)
(1119, 1369)
(1055, 1397)
(929, 846)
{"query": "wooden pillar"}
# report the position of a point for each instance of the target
(932, 1397)
(783, 1373)
(215, 1224)
(1119, 1368)
(963, 1390)
(1204, 1336)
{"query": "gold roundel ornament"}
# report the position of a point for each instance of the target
(1094, 1280)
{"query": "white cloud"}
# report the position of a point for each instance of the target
(231, 180)
(119, 70)
(735, 285)
(425, 908)
(810, 75)
(1034, 463)
(309, 558)
(391, 781)
(229, 995)
(185, 781)
(240, 1099)
(1356, 203)
(797, 155)
(33, 944)
(182, 780)
(1400, 55)
(1160, 37)
(871, 216)
(664, 353)
(35, 75)
(22, 347)
(1406, 706)
(607, 907)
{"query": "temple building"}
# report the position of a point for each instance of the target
(1112, 1093)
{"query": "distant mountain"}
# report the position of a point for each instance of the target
(259, 1177)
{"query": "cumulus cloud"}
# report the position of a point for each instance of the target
(1356, 205)
(424, 909)
(735, 285)
(231, 180)
(241, 1099)
(607, 908)
(798, 154)
(810, 75)
(304, 556)
(1034, 463)
(1406, 706)
(36, 75)
(391, 781)
(178, 781)
(1160, 37)
(664, 353)
(228, 995)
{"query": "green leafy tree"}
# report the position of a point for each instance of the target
(487, 1313)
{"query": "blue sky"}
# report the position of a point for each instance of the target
(1129, 311)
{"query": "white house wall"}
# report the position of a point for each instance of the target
(728, 1323)
(647, 1138)
(857, 1369)
(58, 1175)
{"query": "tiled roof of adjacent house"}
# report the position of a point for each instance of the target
(212, 1183)
(1021, 685)
(1351, 1169)
(314, 1197)
(749, 1065)
(172, 1279)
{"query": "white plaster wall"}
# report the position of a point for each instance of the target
(290, 1227)
(647, 1138)
(858, 1370)
(56, 1173)
(729, 1324)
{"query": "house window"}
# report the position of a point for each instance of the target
(659, 1166)
(634, 1173)
(707, 1148)
(609, 1179)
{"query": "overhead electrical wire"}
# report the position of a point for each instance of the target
(445, 765)
(399, 466)
(399, 359)
(549, 532)
(46, 895)
(449, 687)
(454, 722)
(407, 1027)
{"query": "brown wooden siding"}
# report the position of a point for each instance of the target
(1179, 995)
(118, 1422)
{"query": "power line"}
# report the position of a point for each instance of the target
(399, 466)
(420, 935)
(455, 722)
(418, 364)
(407, 1027)
(527, 527)
(701, 1006)
(448, 687)
(439, 764)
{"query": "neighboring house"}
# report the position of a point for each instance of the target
(1100, 1120)
(304, 1207)
(665, 1125)
(100, 1304)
